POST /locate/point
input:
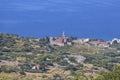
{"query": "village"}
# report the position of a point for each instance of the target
(64, 40)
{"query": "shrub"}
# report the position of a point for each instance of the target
(8, 69)
(22, 72)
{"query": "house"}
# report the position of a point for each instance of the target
(104, 44)
(60, 41)
(115, 41)
(81, 41)
(36, 67)
(100, 44)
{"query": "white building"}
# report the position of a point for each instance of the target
(81, 41)
(115, 39)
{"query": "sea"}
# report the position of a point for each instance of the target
(79, 18)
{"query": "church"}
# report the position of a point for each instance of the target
(60, 41)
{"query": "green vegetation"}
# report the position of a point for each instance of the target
(113, 75)
(36, 58)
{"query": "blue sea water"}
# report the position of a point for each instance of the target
(81, 18)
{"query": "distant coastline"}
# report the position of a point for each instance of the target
(40, 35)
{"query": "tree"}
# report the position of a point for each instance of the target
(71, 38)
(7, 69)
(22, 72)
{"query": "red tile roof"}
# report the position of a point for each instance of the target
(101, 43)
(60, 39)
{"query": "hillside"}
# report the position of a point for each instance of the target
(35, 59)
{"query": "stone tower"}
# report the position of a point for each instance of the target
(63, 34)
